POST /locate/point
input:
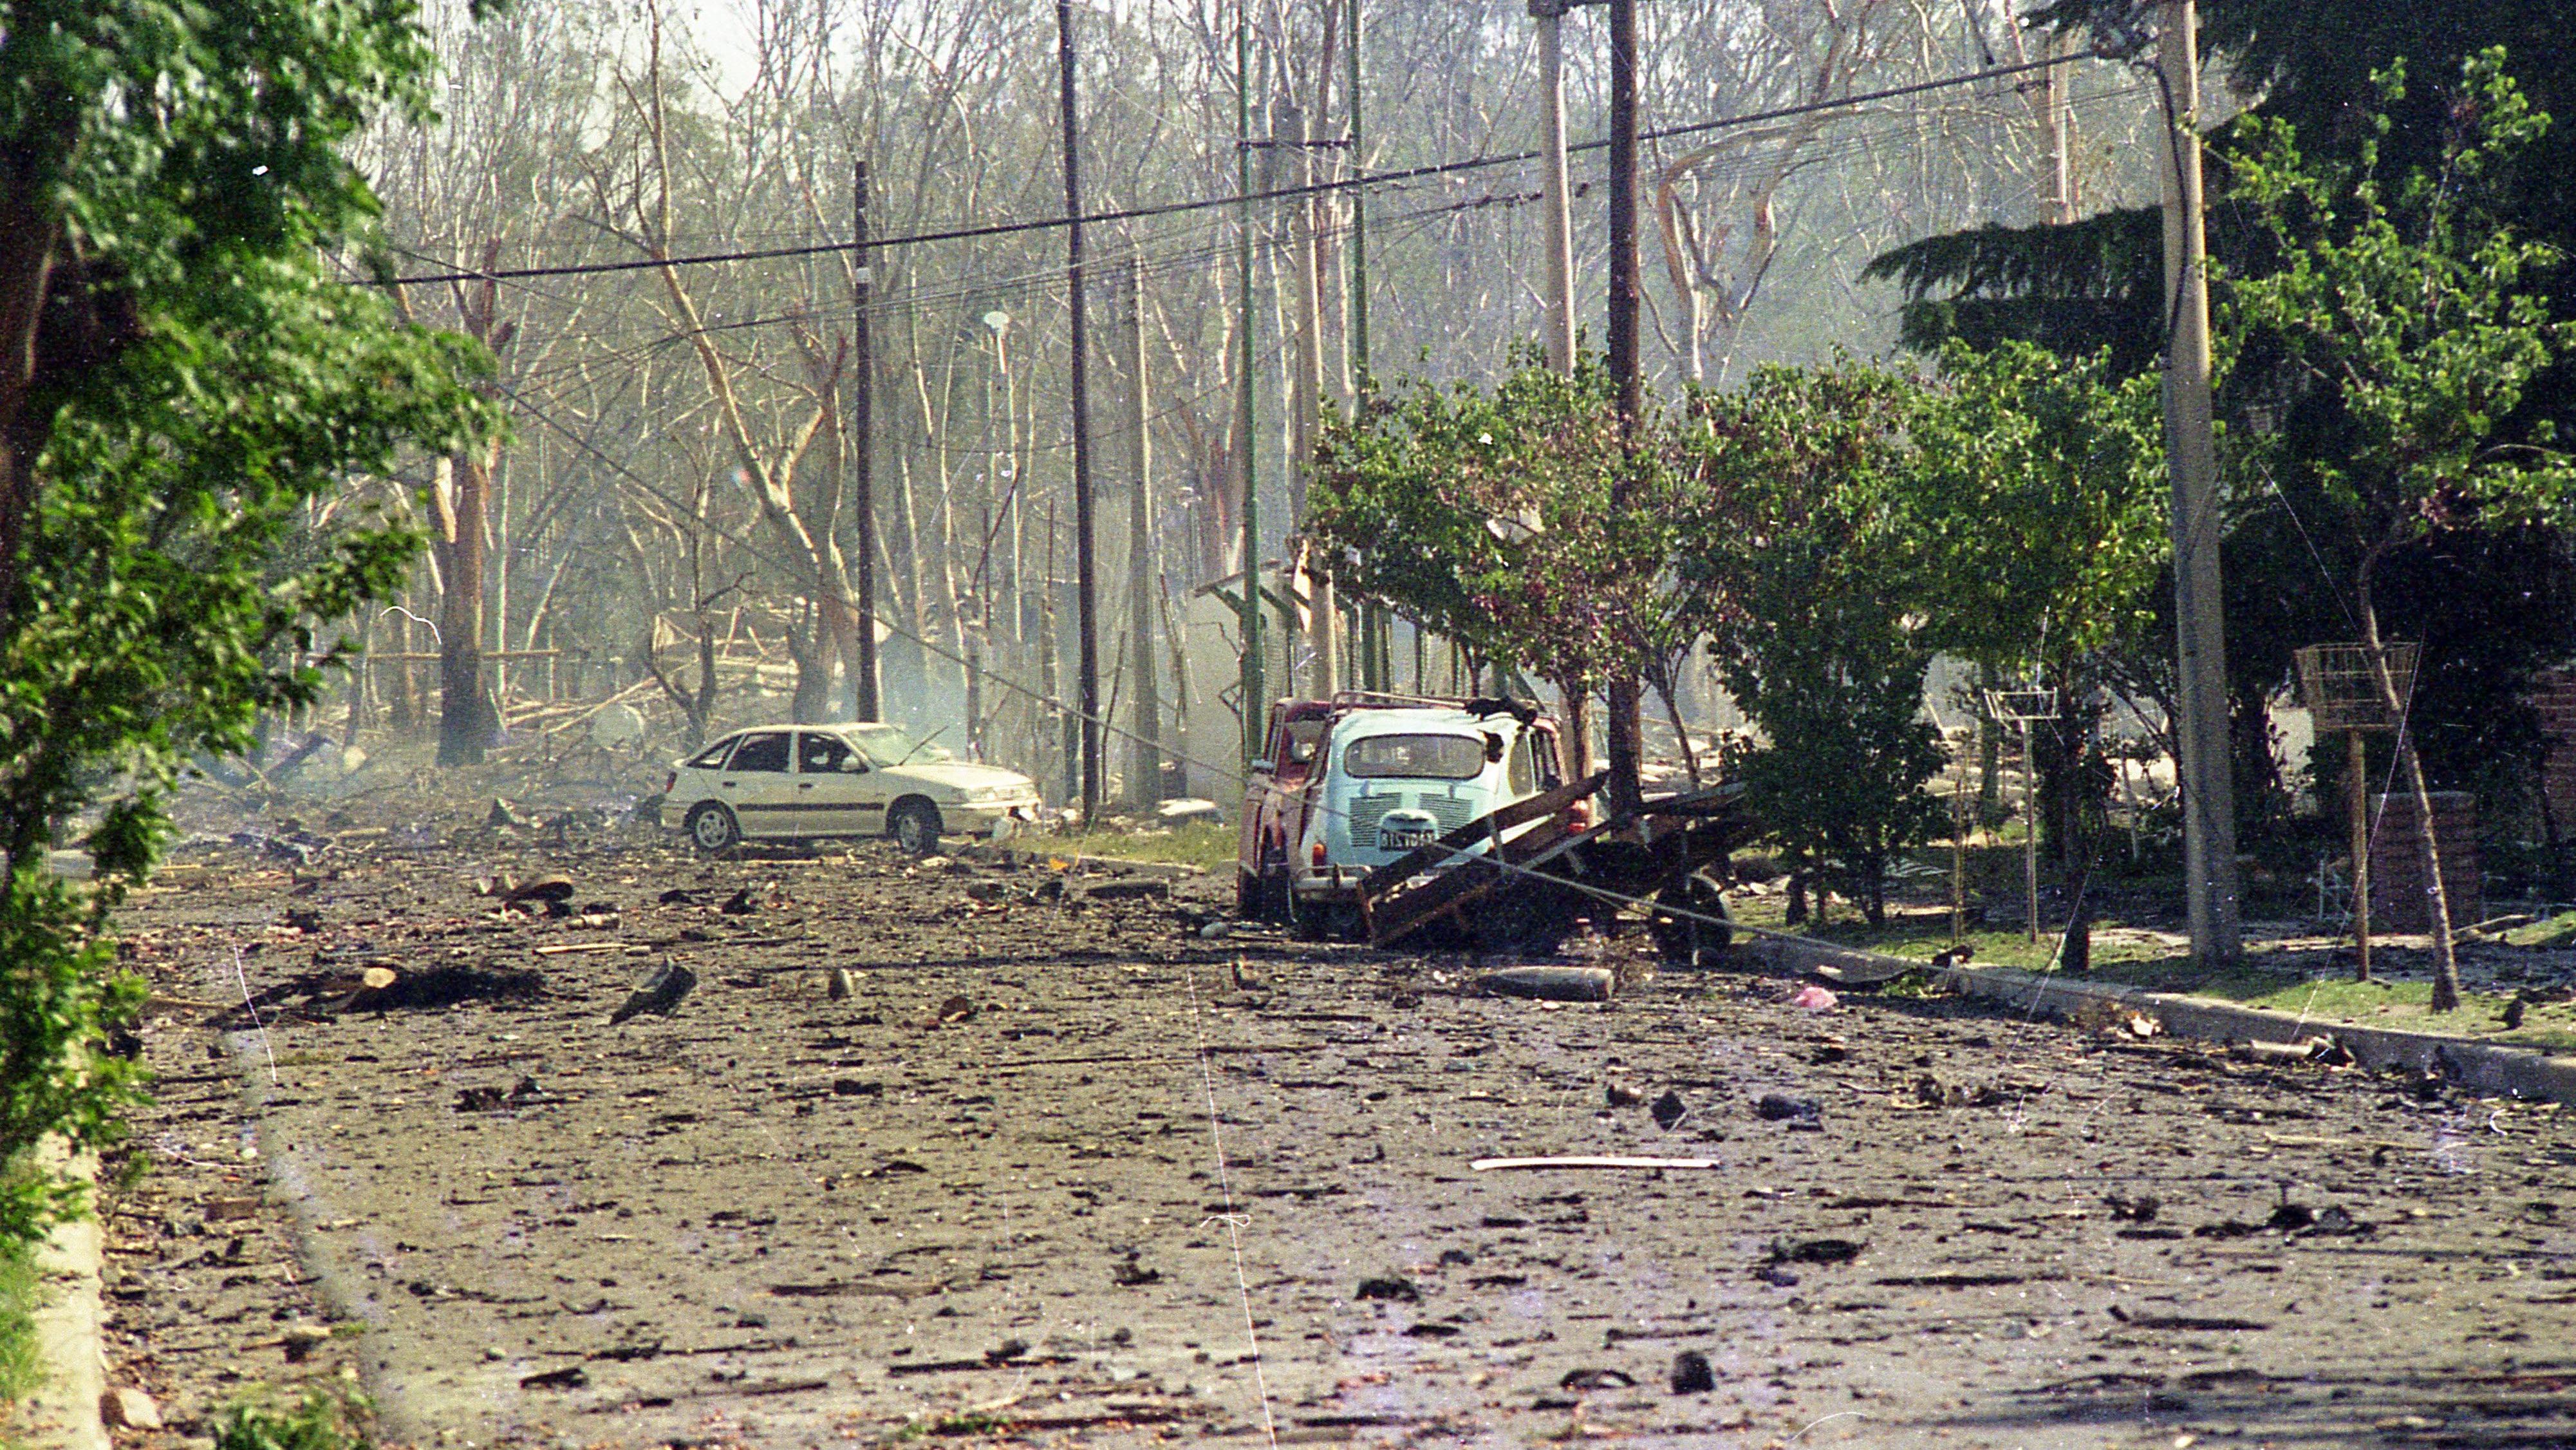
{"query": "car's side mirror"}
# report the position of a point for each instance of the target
(852, 765)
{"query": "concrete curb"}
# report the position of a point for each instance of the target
(2516, 1071)
(63, 1412)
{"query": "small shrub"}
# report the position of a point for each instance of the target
(318, 1419)
(21, 1367)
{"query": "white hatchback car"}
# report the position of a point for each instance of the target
(793, 783)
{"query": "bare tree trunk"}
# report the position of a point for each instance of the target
(467, 724)
(399, 716)
(2446, 962)
(1578, 735)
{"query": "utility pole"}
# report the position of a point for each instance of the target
(1554, 189)
(1256, 708)
(1309, 300)
(1625, 725)
(1375, 661)
(2061, 136)
(1145, 768)
(1358, 340)
(1047, 678)
(865, 703)
(1085, 594)
(2209, 806)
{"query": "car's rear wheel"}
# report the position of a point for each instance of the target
(914, 824)
(712, 826)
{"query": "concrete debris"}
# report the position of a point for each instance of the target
(1550, 984)
(659, 993)
(123, 1407)
(543, 888)
(1781, 1108)
(1130, 891)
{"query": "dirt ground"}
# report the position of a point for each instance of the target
(1067, 1170)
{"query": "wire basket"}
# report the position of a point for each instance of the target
(2022, 707)
(2342, 691)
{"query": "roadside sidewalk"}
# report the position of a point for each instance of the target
(63, 1413)
(2518, 1072)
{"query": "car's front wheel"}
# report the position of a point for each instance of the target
(712, 826)
(914, 824)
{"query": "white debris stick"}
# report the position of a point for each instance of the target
(1487, 1165)
(243, 977)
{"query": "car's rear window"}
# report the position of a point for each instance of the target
(1422, 757)
(712, 756)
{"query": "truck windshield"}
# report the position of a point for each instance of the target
(1428, 757)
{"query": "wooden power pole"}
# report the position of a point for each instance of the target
(1308, 298)
(2209, 806)
(1624, 727)
(1145, 763)
(1086, 604)
(865, 703)
(1256, 707)
(1550, 15)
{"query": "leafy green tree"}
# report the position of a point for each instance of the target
(1809, 579)
(2404, 307)
(184, 373)
(2037, 501)
(2076, 287)
(1486, 514)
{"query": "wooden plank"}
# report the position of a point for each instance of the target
(1422, 858)
(1712, 800)
(1406, 911)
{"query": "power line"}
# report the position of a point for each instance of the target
(684, 518)
(1380, 178)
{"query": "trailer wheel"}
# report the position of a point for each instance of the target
(1685, 939)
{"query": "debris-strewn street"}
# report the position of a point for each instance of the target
(1066, 1168)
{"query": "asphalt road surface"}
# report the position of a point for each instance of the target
(1067, 1171)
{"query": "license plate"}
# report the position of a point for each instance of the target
(1403, 840)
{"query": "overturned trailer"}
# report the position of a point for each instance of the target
(1524, 877)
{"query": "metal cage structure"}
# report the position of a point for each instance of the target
(2021, 707)
(2342, 691)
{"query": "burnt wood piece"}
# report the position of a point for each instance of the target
(1422, 858)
